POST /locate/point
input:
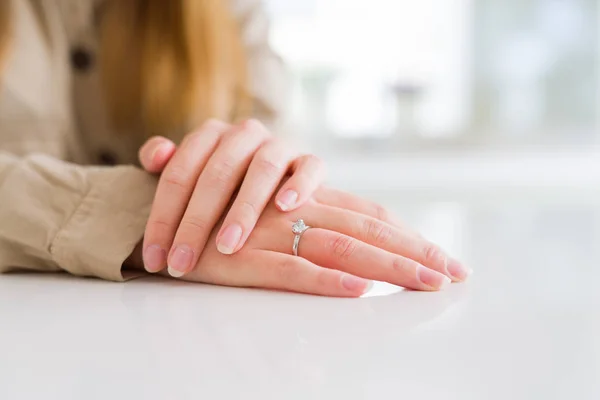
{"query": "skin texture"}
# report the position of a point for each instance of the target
(198, 180)
(353, 242)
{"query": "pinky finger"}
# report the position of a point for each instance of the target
(340, 199)
(308, 173)
(279, 271)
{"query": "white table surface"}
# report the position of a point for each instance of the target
(527, 325)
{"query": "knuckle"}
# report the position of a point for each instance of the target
(311, 167)
(220, 174)
(253, 124)
(268, 165)
(158, 225)
(234, 140)
(324, 279)
(194, 224)
(249, 210)
(240, 142)
(343, 247)
(191, 137)
(377, 231)
(175, 177)
(286, 273)
(404, 265)
(249, 138)
(432, 254)
(213, 124)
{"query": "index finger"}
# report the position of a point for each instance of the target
(174, 191)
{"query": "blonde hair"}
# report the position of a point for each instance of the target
(167, 64)
(6, 31)
(172, 64)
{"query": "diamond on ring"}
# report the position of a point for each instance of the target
(298, 230)
(299, 227)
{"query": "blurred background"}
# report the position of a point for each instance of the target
(477, 121)
(430, 93)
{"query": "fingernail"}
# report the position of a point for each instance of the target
(356, 284)
(180, 261)
(458, 271)
(287, 200)
(432, 278)
(157, 153)
(157, 148)
(230, 238)
(154, 258)
(369, 287)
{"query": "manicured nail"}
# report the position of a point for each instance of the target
(432, 278)
(369, 287)
(180, 261)
(287, 200)
(356, 284)
(154, 258)
(457, 271)
(157, 148)
(230, 239)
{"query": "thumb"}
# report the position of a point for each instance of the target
(156, 153)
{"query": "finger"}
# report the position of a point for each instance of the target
(174, 190)
(214, 189)
(390, 238)
(338, 251)
(278, 271)
(308, 174)
(155, 154)
(338, 198)
(267, 169)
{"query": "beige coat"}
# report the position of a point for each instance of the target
(64, 204)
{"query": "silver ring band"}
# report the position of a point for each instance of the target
(298, 230)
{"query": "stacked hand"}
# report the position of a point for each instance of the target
(352, 240)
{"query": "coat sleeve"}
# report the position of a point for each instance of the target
(57, 216)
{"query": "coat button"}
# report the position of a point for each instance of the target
(81, 59)
(107, 158)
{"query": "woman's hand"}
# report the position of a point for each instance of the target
(339, 256)
(200, 178)
(352, 242)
